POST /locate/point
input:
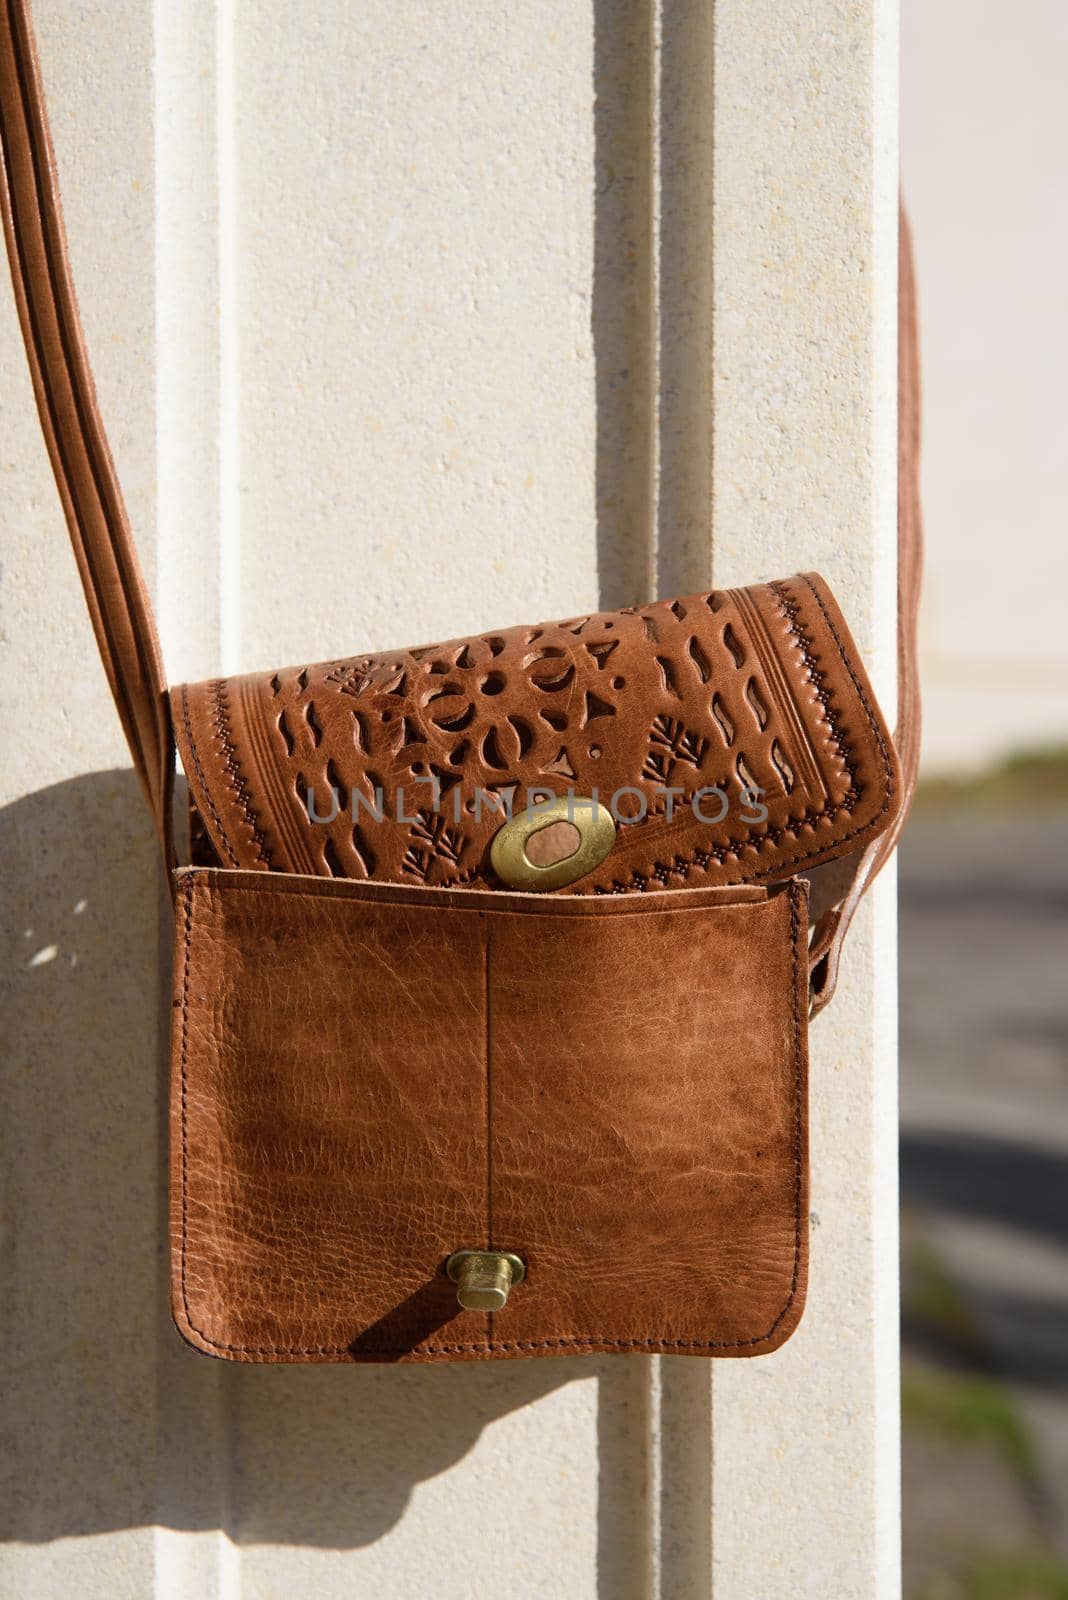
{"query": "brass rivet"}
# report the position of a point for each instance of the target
(483, 1278)
(594, 826)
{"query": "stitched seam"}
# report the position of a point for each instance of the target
(858, 686)
(489, 1097)
(265, 886)
(570, 1342)
(489, 1118)
(791, 610)
(684, 865)
(795, 731)
(800, 985)
(240, 789)
(291, 832)
(201, 780)
(187, 913)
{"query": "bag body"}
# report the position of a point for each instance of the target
(613, 1089)
(492, 977)
(384, 1056)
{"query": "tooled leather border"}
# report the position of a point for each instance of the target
(198, 773)
(488, 1346)
(236, 780)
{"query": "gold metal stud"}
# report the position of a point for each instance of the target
(584, 824)
(483, 1278)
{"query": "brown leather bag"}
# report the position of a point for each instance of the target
(494, 973)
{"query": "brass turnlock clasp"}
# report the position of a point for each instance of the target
(552, 844)
(483, 1278)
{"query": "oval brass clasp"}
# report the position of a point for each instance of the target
(583, 829)
(484, 1278)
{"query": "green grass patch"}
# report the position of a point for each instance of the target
(1033, 779)
(931, 1297)
(1014, 1577)
(971, 1410)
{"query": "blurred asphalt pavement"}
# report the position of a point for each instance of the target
(984, 1097)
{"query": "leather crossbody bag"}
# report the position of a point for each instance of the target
(494, 964)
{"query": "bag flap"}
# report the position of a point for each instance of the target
(734, 736)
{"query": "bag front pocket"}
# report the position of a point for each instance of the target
(367, 1078)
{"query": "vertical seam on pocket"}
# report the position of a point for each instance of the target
(800, 978)
(488, 1037)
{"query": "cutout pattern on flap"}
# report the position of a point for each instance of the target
(733, 735)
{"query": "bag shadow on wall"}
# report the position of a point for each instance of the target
(112, 1422)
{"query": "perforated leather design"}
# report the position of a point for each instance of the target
(690, 718)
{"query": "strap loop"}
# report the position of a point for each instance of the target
(825, 951)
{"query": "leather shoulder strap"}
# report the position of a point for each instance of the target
(66, 400)
(829, 937)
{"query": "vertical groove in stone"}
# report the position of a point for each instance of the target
(623, 310)
(684, 274)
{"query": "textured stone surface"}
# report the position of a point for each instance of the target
(805, 1458)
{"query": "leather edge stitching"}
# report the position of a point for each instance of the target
(265, 885)
(235, 778)
(187, 723)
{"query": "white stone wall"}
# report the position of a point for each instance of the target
(410, 320)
